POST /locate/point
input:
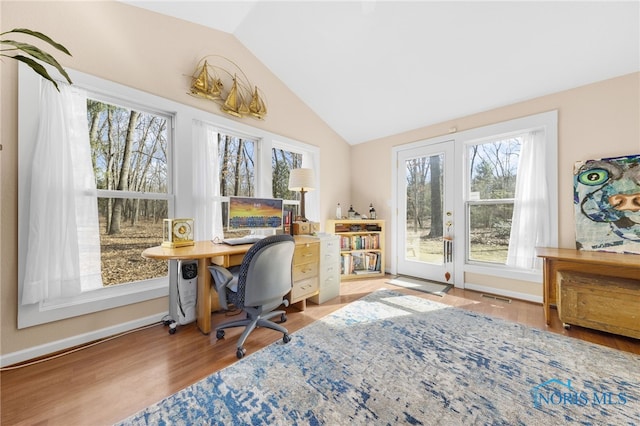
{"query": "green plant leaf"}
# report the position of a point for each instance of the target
(40, 36)
(37, 67)
(38, 54)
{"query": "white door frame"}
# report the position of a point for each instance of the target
(458, 216)
(547, 120)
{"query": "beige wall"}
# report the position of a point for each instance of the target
(594, 121)
(155, 54)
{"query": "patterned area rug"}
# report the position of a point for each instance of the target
(390, 358)
(421, 285)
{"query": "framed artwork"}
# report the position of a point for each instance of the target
(606, 198)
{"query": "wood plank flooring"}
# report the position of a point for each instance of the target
(112, 380)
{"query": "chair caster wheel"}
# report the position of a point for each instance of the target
(173, 327)
(240, 353)
(283, 318)
(286, 338)
(219, 334)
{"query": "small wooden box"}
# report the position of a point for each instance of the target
(305, 228)
(603, 303)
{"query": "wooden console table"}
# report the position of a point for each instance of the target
(586, 262)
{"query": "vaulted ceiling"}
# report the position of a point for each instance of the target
(371, 69)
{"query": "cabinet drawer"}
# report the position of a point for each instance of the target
(304, 271)
(304, 288)
(330, 269)
(330, 258)
(306, 253)
(332, 246)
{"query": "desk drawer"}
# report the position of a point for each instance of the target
(304, 288)
(306, 253)
(304, 271)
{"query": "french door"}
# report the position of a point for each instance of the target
(425, 211)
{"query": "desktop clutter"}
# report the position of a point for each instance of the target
(354, 215)
(305, 228)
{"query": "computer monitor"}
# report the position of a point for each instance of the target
(254, 213)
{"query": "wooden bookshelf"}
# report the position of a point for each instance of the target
(361, 247)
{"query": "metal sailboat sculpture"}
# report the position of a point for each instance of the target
(257, 107)
(235, 103)
(206, 86)
(239, 101)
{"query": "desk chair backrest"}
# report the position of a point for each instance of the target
(265, 275)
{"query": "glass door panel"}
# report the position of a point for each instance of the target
(425, 216)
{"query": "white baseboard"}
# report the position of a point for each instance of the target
(70, 342)
(502, 292)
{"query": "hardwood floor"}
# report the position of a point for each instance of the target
(112, 380)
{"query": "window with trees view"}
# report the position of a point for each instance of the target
(493, 169)
(238, 176)
(129, 152)
(282, 162)
(141, 177)
(237, 165)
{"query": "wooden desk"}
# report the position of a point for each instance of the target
(206, 252)
(588, 262)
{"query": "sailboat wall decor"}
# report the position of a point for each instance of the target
(232, 90)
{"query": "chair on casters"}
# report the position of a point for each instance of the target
(257, 286)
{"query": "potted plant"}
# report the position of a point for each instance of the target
(34, 53)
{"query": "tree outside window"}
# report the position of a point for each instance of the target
(493, 169)
(282, 162)
(129, 156)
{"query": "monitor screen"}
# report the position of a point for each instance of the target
(252, 213)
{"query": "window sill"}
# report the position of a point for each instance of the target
(92, 301)
(505, 272)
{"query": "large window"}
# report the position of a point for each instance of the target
(142, 177)
(129, 152)
(283, 160)
(509, 197)
(493, 169)
(237, 165)
(238, 157)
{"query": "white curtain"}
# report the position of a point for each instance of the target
(531, 215)
(207, 218)
(63, 252)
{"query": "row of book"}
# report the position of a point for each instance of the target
(360, 263)
(360, 242)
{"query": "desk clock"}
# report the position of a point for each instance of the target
(177, 233)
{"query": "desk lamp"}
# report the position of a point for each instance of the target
(301, 180)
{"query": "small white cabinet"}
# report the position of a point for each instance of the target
(329, 274)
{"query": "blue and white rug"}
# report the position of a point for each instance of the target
(390, 358)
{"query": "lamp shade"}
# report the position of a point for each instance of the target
(301, 180)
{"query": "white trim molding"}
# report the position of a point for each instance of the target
(80, 339)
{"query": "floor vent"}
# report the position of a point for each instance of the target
(502, 299)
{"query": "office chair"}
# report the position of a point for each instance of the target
(257, 286)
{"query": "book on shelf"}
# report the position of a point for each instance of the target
(346, 264)
(365, 272)
(360, 242)
(358, 261)
(372, 261)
